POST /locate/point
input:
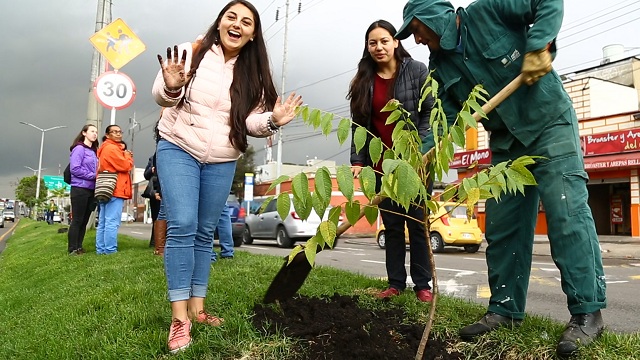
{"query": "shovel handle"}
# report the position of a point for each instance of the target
(496, 100)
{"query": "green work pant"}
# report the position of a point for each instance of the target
(511, 220)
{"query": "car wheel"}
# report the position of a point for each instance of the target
(246, 236)
(282, 238)
(237, 241)
(382, 240)
(436, 242)
(472, 248)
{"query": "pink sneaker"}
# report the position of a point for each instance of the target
(388, 293)
(179, 335)
(424, 295)
(208, 319)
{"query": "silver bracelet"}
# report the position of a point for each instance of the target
(173, 92)
(272, 126)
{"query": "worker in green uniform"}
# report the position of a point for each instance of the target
(491, 42)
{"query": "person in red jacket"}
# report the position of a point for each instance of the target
(113, 156)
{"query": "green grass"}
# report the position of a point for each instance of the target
(53, 306)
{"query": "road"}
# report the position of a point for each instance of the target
(464, 275)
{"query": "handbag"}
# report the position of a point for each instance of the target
(105, 184)
(149, 190)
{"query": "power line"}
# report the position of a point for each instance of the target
(601, 23)
(602, 32)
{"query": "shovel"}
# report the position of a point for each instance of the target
(292, 275)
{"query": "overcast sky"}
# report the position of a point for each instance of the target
(45, 72)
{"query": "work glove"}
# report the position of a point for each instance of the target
(535, 65)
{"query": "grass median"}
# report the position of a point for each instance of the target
(55, 306)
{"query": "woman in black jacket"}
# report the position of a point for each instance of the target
(386, 71)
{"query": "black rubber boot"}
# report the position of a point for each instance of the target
(581, 330)
(489, 322)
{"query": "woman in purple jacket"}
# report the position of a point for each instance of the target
(83, 163)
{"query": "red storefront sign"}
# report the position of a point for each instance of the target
(467, 158)
(611, 143)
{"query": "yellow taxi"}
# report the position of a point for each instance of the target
(449, 227)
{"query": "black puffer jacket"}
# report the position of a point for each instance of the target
(411, 77)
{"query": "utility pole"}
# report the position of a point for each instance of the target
(95, 111)
(284, 75)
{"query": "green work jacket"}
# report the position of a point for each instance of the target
(492, 38)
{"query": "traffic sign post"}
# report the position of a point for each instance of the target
(117, 43)
(114, 90)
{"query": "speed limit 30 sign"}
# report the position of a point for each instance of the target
(114, 90)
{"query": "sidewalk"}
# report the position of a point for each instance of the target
(613, 247)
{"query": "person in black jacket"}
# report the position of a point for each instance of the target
(387, 71)
(153, 193)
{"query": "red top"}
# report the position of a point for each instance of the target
(380, 99)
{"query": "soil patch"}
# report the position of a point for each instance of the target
(337, 328)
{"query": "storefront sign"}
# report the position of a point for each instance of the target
(468, 158)
(616, 210)
(612, 161)
(611, 143)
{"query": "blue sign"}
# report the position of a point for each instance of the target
(54, 182)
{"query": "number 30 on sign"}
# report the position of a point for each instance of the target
(114, 90)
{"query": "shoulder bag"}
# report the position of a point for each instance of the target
(105, 184)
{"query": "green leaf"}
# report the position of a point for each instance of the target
(468, 120)
(300, 186)
(328, 231)
(327, 123)
(477, 108)
(314, 118)
(458, 136)
(278, 181)
(323, 185)
(389, 165)
(345, 181)
(296, 250)
(283, 205)
(432, 206)
(473, 195)
(409, 184)
(319, 206)
(375, 149)
(344, 129)
(334, 214)
(303, 206)
(391, 105)
(395, 115)
(305, 114)
(398, 129)
(360, 138)
(310, 250)
(265, 204)
(449, 192)
(352, 210)
(367, 179)
(371, 213)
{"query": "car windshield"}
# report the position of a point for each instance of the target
(459, 212)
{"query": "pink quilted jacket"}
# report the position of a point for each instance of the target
(201, 127)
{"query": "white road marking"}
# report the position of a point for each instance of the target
(137, 233)
(461, 272)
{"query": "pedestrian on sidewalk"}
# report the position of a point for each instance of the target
(492, 42)
(83, 166)
(225, 235)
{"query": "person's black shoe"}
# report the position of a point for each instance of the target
(489, 322)
(581, 330)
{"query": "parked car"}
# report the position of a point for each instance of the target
(449, 227)
(269, 225)
(58, 218)
(2, 221)
(9, 215)
(126, 217)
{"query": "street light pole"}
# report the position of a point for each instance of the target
(35, 171)
(40, 160)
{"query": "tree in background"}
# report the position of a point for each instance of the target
(244, 165)
(26, 191)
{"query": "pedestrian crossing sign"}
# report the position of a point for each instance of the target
(117, 43)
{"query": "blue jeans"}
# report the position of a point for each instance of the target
(193, 196)
(108, 224)
(225, 237)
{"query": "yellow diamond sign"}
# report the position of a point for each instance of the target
(117, 43)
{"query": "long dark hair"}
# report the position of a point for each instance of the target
(252, 84)
(359, 89)
(80, 138)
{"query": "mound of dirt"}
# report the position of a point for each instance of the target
(337, 328)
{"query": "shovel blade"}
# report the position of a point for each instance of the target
(289, 279)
